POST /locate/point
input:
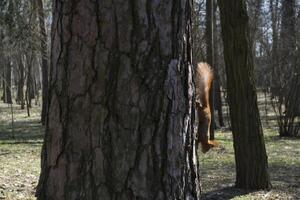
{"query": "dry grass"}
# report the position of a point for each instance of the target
(218, 169)
(19, 153)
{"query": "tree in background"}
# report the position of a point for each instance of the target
(20, 47)
(210, 60)
(217, 65)
(44, 59)
(198, 35)
(249, 146)
(288, 91)
(205, 49)
(120, 119)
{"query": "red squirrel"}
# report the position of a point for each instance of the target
(203, 85)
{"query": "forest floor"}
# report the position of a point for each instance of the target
(19, 152)
(20, 161)
(218, 169)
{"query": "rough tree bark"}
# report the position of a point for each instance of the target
(250, 153)
(120, 123)
(44, 59)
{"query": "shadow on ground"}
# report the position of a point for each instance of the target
(22, 132)
(286, 175)
(224, 193)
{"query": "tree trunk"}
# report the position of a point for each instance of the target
(4, 84)
(120, 123)
(210, 60)
(8, 98)
(29, 83)
(289, 92)
(44, 59)
(218, 97)
(217, 87)
(20, 92)
(27, 101)
(275, 81)
(250, 153)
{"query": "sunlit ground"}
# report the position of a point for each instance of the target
(19, 152)
(218, 169)
(20, 160)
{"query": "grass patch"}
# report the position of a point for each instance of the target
(20, 148)
(218, 169)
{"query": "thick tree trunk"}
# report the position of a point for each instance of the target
(249, 146)
(44, 59)
(120, 123)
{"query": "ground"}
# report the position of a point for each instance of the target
(218, 170)
(20, 161)
(19, 152)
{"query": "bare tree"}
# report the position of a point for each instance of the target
(44, 59)
(250, 153)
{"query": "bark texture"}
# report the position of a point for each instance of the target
(120, 121)
(250, 153)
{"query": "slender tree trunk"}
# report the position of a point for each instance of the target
(4, 85)
(275, 81)
(288, 69)
(20, 93)
(36, 81)
(250, 153)
(218, 98)
(210, 60)
(44, 59)
(36, 92)
(8, 91)
(27, 101)
(217, 86)
(120, 123)
(29, 84)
